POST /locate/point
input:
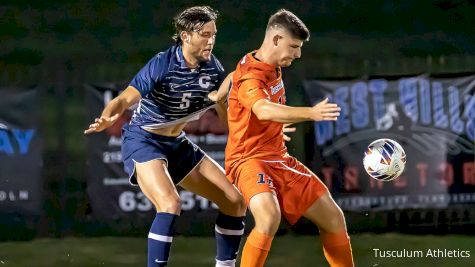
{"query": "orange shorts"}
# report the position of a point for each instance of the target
(296, 187)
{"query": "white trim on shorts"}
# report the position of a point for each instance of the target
(294, 170)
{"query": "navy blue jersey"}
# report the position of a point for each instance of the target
(172, 93)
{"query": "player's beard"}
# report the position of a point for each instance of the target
(205, 55)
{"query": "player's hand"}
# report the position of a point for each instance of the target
(288, 129)
(102, 123)
(325, 111)
(215, 97)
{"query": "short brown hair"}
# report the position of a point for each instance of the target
(289, 21)
(193, 19)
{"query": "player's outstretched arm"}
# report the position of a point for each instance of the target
(114, 110)
(323, 111)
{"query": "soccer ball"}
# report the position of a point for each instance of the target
(384, 159)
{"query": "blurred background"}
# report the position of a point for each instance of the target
(401, 69)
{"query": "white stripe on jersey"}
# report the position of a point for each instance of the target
(150, 102)
(179, 72)
(154, 113)
(175, 85)
(180, 78)
(196, 90)
(187, 73)
(164, 104)
(208, 74)
(168, 96)
(169, 101)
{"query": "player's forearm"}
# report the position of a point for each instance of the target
(222, 112)
(115, 106)
(122, 102)
(224, 88)
(282, 113)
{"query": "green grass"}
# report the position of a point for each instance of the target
(288, 250)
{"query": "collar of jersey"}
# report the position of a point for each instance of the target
(181, 59)
(260, 64)
(179, 56)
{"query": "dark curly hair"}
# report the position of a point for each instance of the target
(193, 19)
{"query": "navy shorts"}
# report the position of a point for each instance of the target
(138, 146)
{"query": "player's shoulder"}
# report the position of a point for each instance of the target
(162, 59)
(162, 63)
(168, 56)
(250, 68)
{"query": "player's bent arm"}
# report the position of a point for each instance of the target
(114, 110)
(221, 109)
(222, 93)
(268, 111)
(122, 102)
(224, 87)
(323, 111)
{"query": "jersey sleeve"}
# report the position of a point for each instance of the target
(250, 91)
(149, 75)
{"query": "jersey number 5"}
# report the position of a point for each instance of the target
(185, 100)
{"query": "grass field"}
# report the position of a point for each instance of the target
(288, 250)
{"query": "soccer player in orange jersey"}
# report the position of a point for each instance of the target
(272, 182)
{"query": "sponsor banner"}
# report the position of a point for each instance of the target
(20, 153)
(433, 118)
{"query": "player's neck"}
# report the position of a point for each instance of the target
(191, 61)
(263, 55)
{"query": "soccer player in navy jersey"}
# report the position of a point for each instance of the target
(172, 89)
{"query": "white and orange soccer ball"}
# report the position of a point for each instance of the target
(384, 159)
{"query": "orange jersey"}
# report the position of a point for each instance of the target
(248, 136)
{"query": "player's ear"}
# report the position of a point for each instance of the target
(185, 37)
(276, 39)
